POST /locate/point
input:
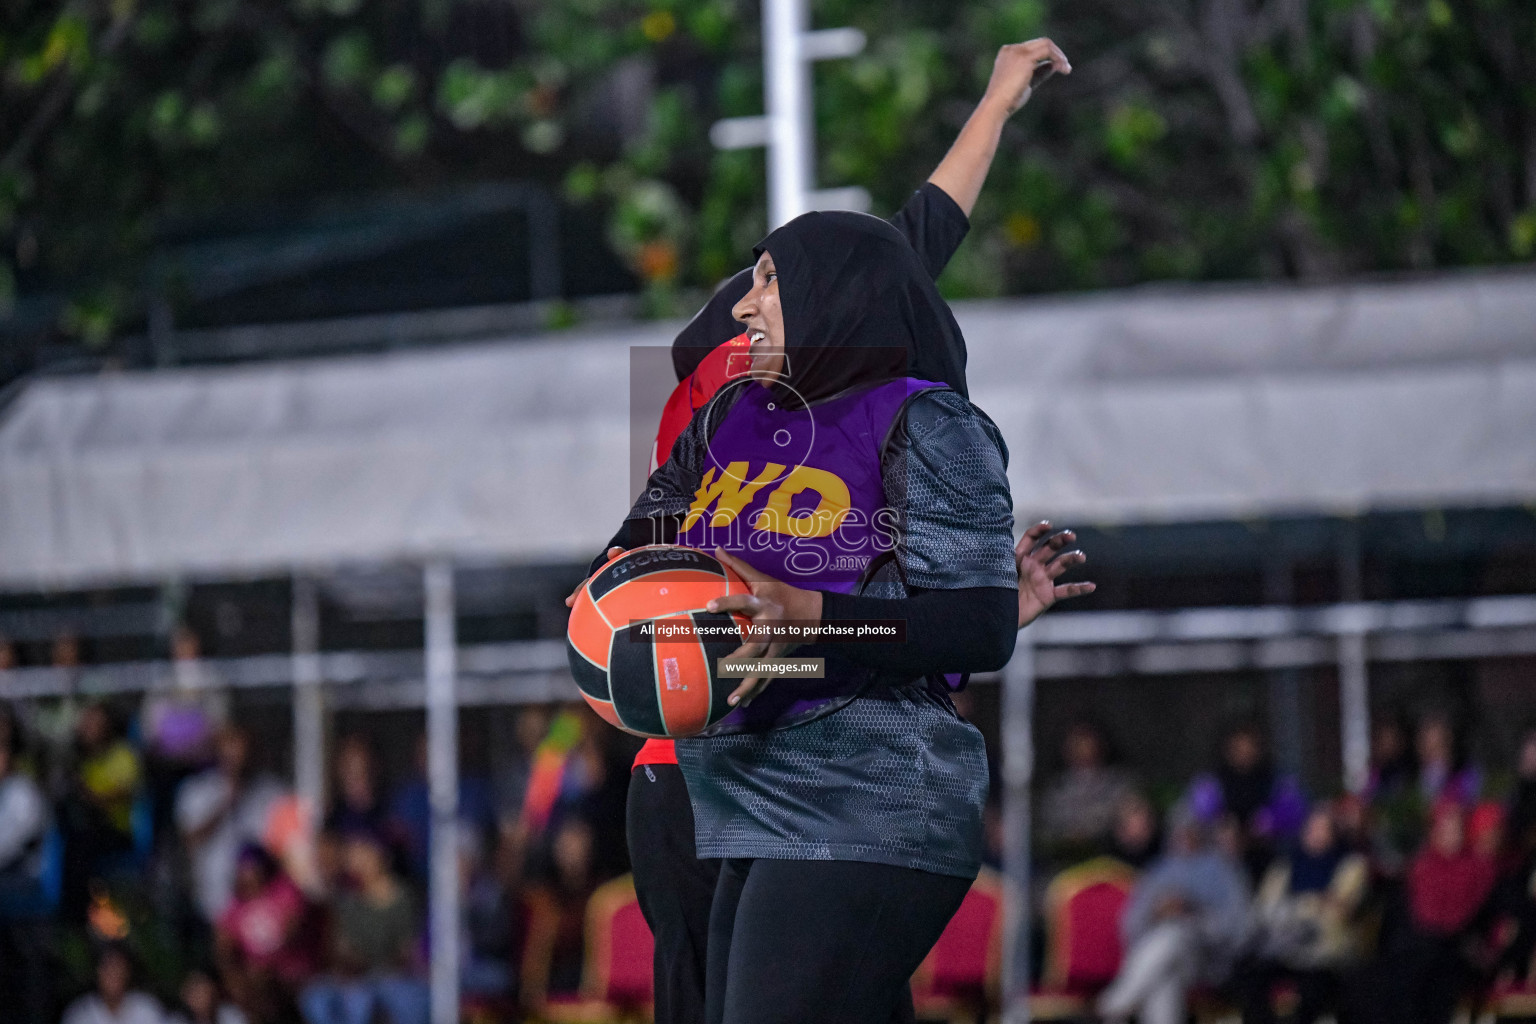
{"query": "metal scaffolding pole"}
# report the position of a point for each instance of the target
(1285, 684)
(308, 698)
(788, 88)
(1018, 772)
(1355, 712)
(1354, 678)
(443, 788)
(787, 128)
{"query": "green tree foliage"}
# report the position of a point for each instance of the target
(1196, 139)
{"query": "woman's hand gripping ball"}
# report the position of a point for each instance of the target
(770, 603)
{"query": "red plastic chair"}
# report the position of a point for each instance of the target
(617, 980)
(959, 977)
(1513, 1000)
(620, 947)
(1083, 952)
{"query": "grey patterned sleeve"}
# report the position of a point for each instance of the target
(946, 479)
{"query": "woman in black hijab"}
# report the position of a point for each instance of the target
(849, 839)
(864, 308)
(938, 355)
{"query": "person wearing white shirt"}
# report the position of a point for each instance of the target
(219, 811)
(23, 821)
(202, 1003)
(113, 1002)
(24, 908)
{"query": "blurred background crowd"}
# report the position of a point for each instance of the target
(155, 865)
(155, 846)
(1395, 904)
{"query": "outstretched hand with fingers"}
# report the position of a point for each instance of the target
(770, 602)
(1041, 562)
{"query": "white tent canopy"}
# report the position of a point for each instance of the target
(1236, 403)
(1148, 405)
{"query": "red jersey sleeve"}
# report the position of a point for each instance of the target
(692, 393)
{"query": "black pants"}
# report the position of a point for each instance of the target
(675, 888)
(809, 941)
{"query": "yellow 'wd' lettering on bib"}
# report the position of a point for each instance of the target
(728, 494)
(823, 520)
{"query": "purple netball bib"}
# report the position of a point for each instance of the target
(798, 494)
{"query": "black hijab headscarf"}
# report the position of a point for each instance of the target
(842, 260)
(859, 308)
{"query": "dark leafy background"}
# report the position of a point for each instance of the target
(1197, 139)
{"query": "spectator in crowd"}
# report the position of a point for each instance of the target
(1396, 809)
(180, 723)
(1511, 911)
(597, 789)
(358, 806)
(181, 720)
(1444, 770)
(97, 811)
(577, 771)
(1352, 824)
(485, 941)
(1230, 840)
(411, 811)
(530, 724)
(513, 781)
(219, 811)
(551, 778)
(24, 907)
(1268, 806)
(291, 837)
(375, 942)
(1521, 820)
(1391, 761)
(113, 1001)
(1438, 771)
(1485, 833)
(1079, 805)
(203, 1003)
(555, 910)
(265, 938)
(65, 655)
(1503, 934)
(1184, 925)
(330, 873)
(1307, 933)
(1447, 883)
(1136, 837)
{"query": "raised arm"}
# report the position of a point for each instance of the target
(934, 217)
(1019, 68)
